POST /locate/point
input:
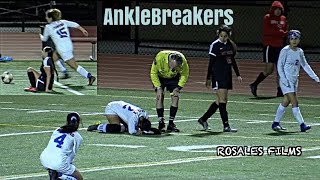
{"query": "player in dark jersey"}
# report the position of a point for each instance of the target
(221, 52)
(275, 29)
(42, 81)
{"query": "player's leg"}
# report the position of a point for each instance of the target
(279, 114)
(268, 69)
(297, 113)
(172, 84)
(59, 63)
(69, 172)
(159, 104)
(73, 64)
(33, 75)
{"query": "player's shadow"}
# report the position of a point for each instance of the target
(282, 133)
(206, 133)
(77, 88)
(56, 92)
(263, 97)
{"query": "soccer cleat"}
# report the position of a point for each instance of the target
(253, 90)
(204, 124)
(30, 89)
(91, 80)
(94, 127)
(276, 127)
(53, 175)
(172, 128)
(229, 129)
(304, 127)
(162, 125)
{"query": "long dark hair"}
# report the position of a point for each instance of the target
(145, 124)
(73, 121)
(49, 50)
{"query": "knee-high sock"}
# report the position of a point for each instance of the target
(62, 68)
(297, 115)
(160, 113)
(224, 114)
(280, 112)
(109, 128)
(66, 177)
(212, 109)
(32, 79)
(259, 79)
(83, 72)
(173, 112)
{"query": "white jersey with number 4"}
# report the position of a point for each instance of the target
(129, 113)
(60, 35)
(61, 150)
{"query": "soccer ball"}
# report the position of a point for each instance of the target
(7, 77)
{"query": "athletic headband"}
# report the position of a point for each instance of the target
(294, 33)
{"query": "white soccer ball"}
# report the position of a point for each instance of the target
(7, 77)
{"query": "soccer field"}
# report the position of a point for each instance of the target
(26, 124)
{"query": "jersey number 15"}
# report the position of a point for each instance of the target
(62, 32)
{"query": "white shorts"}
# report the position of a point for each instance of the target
(109, 111)
(50, 162)
(65, 56)
(293, 87)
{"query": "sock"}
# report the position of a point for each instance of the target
(297, 115)
(160, 112)
(102, 128)
(109, 128)
(224, 114)
(173, 112)
(280, 112)
(212, 109)
(66, 177)
(83, 72)
(61, 66)
(32, 79)
(259, 79)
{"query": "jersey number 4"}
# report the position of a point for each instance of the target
(62, 32)
(60, 140)
(129, 108)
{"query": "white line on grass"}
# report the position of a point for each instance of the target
(25, 133)
(126, 166)
(314, 157)
(117, 145)
(6, 102)
(67, 88)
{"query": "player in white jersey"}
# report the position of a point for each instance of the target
(124, 116)
(291, 58)
(58, 30)
(59, 154)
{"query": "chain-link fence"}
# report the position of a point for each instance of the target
(194, 40)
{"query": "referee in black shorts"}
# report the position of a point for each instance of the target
(221, 53)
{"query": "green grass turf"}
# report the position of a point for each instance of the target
(20, 153)
(21, 81)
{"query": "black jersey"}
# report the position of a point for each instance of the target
(221, 59)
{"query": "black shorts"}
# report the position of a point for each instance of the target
(41, 83)
(170, 84)
(271, 54)
(222, 84)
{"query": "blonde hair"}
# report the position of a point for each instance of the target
(55, 14)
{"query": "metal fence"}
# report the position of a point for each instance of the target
(195, 40)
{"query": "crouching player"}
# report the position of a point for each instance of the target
(59, 154)
(290, 59)
(42, 81)
(122, 117)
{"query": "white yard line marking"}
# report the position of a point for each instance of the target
(314, 157)
(25, 133)
(38, 111)
(272, 115)
(67, 88)
(117, 145)
(6, 102)
(125, 166)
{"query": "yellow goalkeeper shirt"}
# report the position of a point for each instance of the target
(160, 68)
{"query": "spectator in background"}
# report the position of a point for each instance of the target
(275, 30)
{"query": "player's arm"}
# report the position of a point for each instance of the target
(47, 70)
(76, 145)
(77, 26)
(45, 35)
(280, 67)
(184, 74)
(269, 30)
(306, 67)
(154, 73)
(234, 62)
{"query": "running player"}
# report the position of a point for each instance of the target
(58, 30)
(290, 60)
(59, 154)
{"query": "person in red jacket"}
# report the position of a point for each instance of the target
(275, 29)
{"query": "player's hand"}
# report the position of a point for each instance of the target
(85, 33)
(139, 133)
(317, 80)
(41, 36)
(48, 91)
(285, 82)
(175, 92)
(208, 83)
(240, 79)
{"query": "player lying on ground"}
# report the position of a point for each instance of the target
(58, 30)
(42, 81)
(122, 117)
(290, 59)
(59, 154)
(169, 70)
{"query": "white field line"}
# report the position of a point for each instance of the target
(6, 102)
(117, 145)
(67, 88)
(126, 166)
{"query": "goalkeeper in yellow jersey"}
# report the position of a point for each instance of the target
(169, 70)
